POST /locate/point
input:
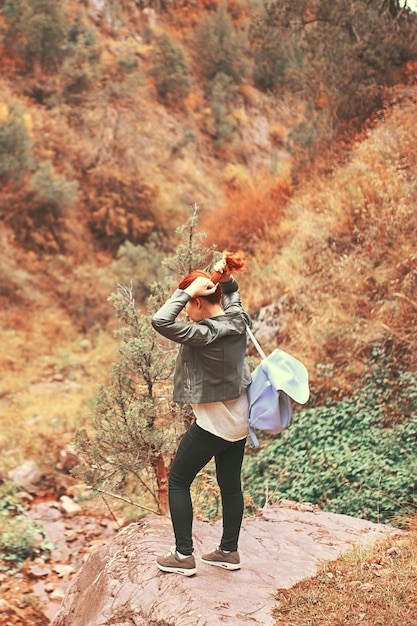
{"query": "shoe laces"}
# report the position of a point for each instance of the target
(172, 551)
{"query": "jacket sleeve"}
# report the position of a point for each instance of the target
(231, 299)
(231, 296)
(164, 322)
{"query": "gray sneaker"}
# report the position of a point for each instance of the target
(172, 563)
(227, 560)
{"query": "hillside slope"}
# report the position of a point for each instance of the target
(347, 264)
(329, 228)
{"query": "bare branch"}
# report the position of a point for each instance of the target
(128, 500)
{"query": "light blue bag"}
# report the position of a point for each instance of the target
(275, 381)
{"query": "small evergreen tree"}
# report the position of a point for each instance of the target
(36, 31)
(134, 429)
(223, 94)
(222, 47)
(81, 68)
(16, 156)
(171, 72)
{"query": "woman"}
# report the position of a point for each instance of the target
(211, 375)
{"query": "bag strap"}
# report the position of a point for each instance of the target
(255, 342)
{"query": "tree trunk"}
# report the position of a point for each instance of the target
(162, 484)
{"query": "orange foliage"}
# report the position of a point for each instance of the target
(118, 207)
(248, 211)
(278, 135)
(250, 94)
(9, 66)
(34, 224)
(234, 7)
(194, 102)
(411, 70)
(186, 14)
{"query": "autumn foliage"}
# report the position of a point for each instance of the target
(248, 210)
(293, 126)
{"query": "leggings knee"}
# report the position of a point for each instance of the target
(175, 482)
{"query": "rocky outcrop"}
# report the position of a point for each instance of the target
(120, 584)
(26, 476)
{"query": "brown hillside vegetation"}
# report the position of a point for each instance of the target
(349, 263)
(100, 157)
(293, 126)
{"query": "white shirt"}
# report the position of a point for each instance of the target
(228, 420)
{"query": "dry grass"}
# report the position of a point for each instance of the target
(257, 204)
(349, 261)
(371, 587)
(49, 376)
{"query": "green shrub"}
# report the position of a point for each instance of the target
(53, 190)
(343, 458)
(223, 95)
(170, 70)
(222, 47)
(136, 263)
(277, 40)
(128, 64)
(15, 146)
(20, 537)
(81, 69)
(36, 31)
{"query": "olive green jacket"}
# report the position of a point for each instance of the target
(211, 365)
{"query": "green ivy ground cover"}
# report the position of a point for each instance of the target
(342, 458)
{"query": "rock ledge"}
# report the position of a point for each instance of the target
(120, 584)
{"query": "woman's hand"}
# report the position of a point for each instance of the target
(222, 268)
(201, 287)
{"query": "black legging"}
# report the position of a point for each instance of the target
(196, 449)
